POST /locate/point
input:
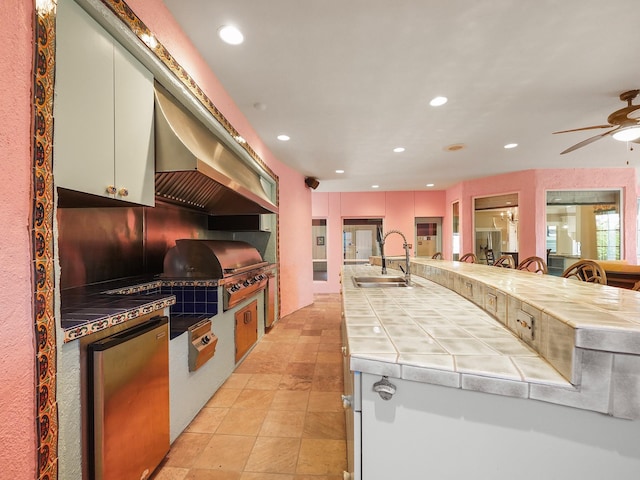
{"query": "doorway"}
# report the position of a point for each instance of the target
(428, 236)
(496, 227)
(358, 239)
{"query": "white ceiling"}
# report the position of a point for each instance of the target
(349, 80)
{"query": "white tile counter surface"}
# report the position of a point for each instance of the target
(463, 332)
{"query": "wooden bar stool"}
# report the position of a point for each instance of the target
(533, 264)
(505, 261)
(469, 258)
(586, 271)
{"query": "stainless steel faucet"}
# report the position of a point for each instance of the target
(405, 245)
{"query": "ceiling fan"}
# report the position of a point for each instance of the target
(624, 124)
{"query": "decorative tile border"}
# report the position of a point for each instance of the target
(89, 328)
(42, 246)
(130, 290)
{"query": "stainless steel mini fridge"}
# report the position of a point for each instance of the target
(130, 401)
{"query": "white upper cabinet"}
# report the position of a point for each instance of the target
(103, 112)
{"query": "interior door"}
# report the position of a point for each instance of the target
(364, 244)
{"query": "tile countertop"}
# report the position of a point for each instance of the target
(93, 308)
(586, 354)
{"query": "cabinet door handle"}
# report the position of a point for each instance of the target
(123, 192)
(247, 318)
(111, 190)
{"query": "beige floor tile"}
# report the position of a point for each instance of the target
(334, 348)
(329, 357)
(305, 347)
(303, 356)
(259, 366)
(236, 380)
(264, 381)
(225, 452)
(291, 400)
(325, 402)
(170, 473)
(322, 457)
(274, 455)
(296, 382)
(198, 474)
(186, 449)
(328, 425)
(267, 476)
(283, 423)
(299, 368)
(224, 397)
(207, 420)
(252, 399)
(318, 477)
(240, 421)
(328, 369)
(323, 383)
(306, 340)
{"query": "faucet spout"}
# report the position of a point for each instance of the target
(405, 245)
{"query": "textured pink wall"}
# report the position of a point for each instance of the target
(295, 199)
(532, 185)
(17, 380)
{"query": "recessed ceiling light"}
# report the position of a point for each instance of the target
(430, 184)
(510, 145)
(284, 138)
(231, 35)
(398, 149)
(259, 106)
(375, 186)
(438, 101)
(339, 171)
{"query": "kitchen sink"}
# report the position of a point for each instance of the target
(380, 282)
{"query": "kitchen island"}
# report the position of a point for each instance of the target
(490, 373)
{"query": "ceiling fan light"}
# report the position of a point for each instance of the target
(627, 134)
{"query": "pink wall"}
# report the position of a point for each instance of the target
(296, 272)
(532, 185)
(397, 209)
(17, 379)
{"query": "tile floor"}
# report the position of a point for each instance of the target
(279, 416)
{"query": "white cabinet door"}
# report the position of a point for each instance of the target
(134, 139)
(103, 130)
(83, 106)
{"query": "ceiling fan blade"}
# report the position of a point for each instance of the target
(588, 141)
(584, 128)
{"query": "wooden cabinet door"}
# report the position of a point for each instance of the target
(246, 329)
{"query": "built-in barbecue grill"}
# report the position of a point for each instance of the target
(238, 266)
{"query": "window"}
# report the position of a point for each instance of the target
(583, 224)
(608, 235)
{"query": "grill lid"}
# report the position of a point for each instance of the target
(211, 259)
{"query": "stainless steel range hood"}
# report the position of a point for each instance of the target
(194, 169)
